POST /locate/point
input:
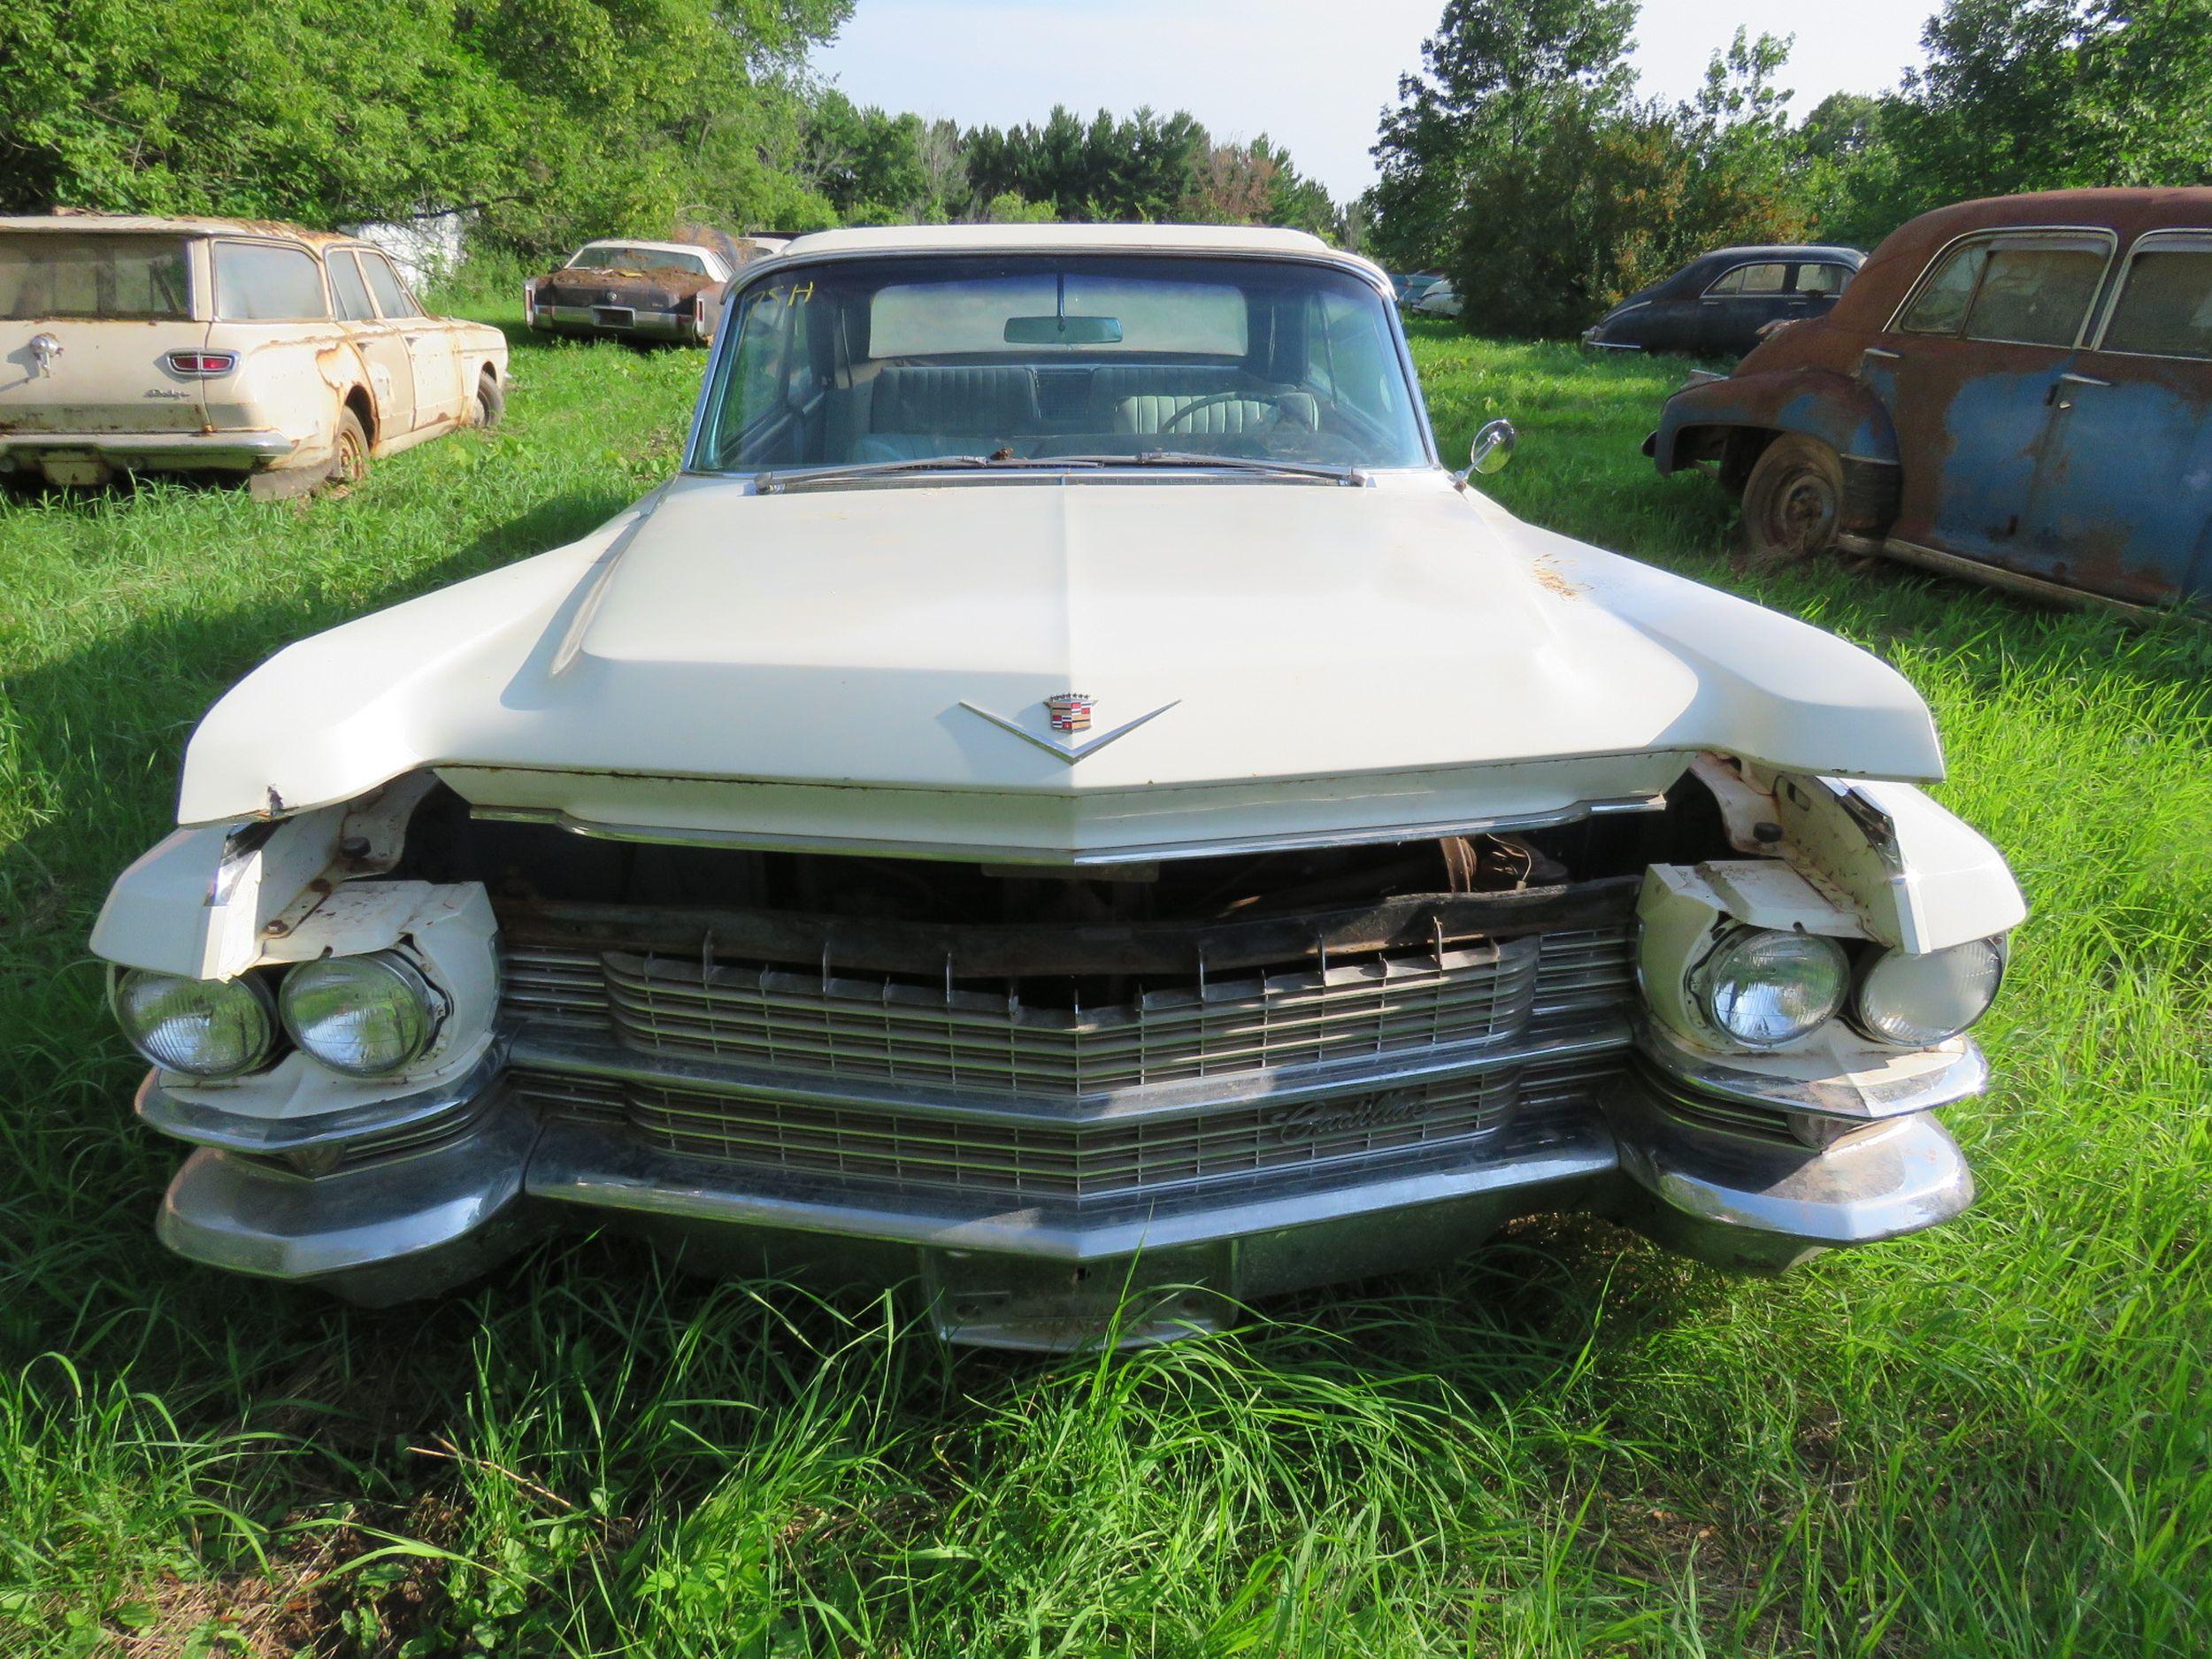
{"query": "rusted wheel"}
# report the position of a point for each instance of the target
(349, 461)
(1792, 501)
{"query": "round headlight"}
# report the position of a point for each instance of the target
(364, 1016)
(205, 1028)
(1764, 989)
(1916, 1000)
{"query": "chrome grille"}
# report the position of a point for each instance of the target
(1033, 1161)
(990, 1043)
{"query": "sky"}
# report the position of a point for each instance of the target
(1311, 74)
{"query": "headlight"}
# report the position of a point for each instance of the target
(205, 1028)
(1915, 1000)
(364, 1016)
(1764, 989)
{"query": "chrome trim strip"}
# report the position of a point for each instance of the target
(1075, 858)
(207, 1125)
(580, 1164)
(1964, 1074)
(543, 1045)
(1998, 576)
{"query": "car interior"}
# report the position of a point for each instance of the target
(826, 375)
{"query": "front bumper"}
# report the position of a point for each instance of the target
(622, 322)
(419, 1221)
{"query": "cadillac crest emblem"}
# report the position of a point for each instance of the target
(1070, 712)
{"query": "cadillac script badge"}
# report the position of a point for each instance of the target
(1071, 712)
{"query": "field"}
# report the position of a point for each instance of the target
(1995, 1440)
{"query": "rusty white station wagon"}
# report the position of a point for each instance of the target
(223, 346)
(1065, 804)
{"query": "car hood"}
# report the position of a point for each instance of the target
(868, 667)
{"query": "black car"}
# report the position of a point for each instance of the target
(1721, 303)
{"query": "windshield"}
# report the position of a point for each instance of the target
(628, 258)
(82, 273)
(1032, 356)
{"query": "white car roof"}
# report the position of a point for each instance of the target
(640, 242)
(1232, 239)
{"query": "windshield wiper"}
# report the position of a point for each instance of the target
(776, 483)
(1235, 463)
(782, 483)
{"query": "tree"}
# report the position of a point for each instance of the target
(2027, 94)
(1496, 75)
(558, 117)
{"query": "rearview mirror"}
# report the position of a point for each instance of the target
(1064, 331)
(1492, 447)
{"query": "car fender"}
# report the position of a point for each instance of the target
(1819, 403)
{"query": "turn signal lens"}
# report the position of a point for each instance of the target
(1764, 989)
(1916, 1000)
(362, 1016)
(203, 1028)
(203, 363)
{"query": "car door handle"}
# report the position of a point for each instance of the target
(2071, 379)
(1880, 355)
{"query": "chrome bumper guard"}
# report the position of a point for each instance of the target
(1644, 1150)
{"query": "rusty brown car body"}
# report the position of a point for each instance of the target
(2014, 390)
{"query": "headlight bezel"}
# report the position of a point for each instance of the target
(1873, 960)
(1700, 989)
(431, 1005)
(253, 986)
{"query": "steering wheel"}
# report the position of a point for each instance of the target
(1277, 401)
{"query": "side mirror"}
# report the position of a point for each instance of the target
(1492, 447)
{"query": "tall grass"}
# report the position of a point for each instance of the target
(1993, 1438)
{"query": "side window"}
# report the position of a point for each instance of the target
(265, 282)
(2036, 295)
(2165, 308)
(1752, 279)
(774, 346)
(392, 297)
(353, 294)
(1941, 305)
(1822, 279)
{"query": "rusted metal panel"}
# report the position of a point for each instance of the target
(2059, 467)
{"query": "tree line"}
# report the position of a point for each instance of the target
(1521, 160)
(554, 120)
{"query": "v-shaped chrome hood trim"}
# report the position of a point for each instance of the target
(1068, 752)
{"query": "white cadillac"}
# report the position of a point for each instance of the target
(1065, 804)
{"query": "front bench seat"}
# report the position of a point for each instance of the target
(1152, 413)
(915, 412)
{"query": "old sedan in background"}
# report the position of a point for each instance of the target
(1438, 298)
(2016, 390)
(1065, 805)
(226, 346)
(1723, 302)
(623, 290)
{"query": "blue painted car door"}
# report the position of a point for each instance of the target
(1968, 371)
(2122, 501)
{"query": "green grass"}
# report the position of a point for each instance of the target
(1996, 1439)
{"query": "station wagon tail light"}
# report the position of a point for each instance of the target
(203, 1028)
(203, 363)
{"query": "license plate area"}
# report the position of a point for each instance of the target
(614, 316)
(992, 1300)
